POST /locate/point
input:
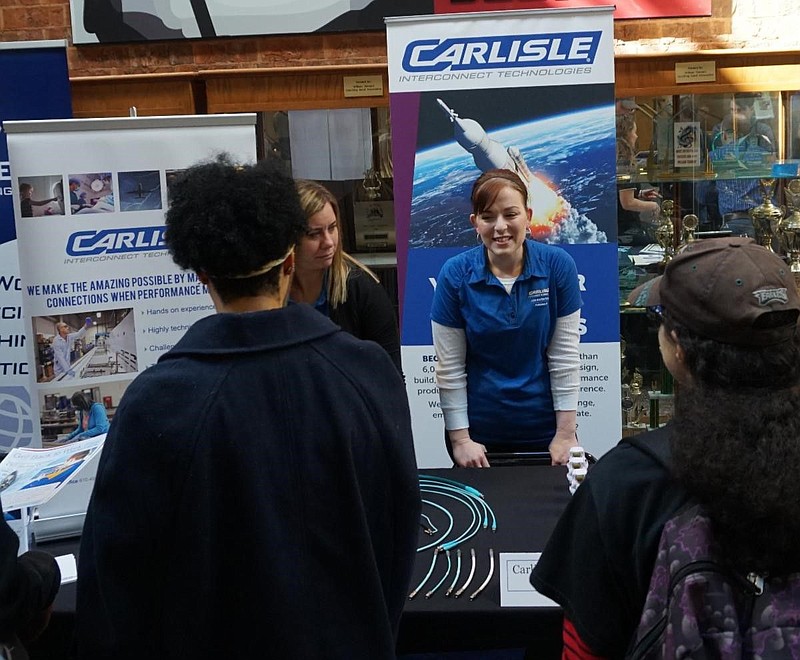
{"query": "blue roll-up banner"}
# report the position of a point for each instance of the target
(531, 91)
(34, 84)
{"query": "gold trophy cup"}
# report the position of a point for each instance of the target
(665, 232)
(766, 217)
(789, 228)
(690, 222)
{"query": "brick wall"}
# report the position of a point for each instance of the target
(756, 24)
(733, 24)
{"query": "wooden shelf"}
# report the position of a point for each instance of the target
(736, 71)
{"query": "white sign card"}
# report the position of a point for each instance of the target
(515, 585)
(686, 146)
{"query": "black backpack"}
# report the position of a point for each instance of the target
(698, 607)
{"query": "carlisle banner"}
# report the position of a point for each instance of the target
(102, 295)
(533, 92)
(34, 84)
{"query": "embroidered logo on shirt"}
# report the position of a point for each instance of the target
(539, 297)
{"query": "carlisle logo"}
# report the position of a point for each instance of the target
(510, 51)
(115, 241)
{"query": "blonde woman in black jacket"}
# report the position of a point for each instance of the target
(335, 283)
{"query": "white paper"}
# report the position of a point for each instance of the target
(351, 143)
(308, 142)
(30, 477)
(68, 568)
(515, 585)
(330, 145)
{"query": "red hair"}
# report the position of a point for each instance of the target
(489, 184)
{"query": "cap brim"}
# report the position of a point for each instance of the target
(647, 294)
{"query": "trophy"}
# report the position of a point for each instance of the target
(766, 216)
(626, 401)
(636, 402)
(371, 184)
(665, 232)
(623, 370)
(690, 223)
(789, 229)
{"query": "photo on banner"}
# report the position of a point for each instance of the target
(41, 196)
(532, 92)
(140, 191)
(558, 142)
(21, 62)
(91, 192)
(103, 296)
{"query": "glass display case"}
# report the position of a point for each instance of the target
(348, 150)
(690, 167)
(709, 152)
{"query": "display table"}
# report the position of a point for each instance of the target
(527, 502)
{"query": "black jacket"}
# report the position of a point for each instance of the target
(598, 561)
(28, 584)
(257, 497)
(368, 314)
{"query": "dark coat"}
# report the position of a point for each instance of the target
(28, 584)
(257, 497)
(368, 314)
(599, 558)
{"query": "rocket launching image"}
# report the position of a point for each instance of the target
(549, 209)
(557, 155)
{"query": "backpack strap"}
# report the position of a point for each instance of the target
(655, 444)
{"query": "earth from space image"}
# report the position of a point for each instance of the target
(571, 154)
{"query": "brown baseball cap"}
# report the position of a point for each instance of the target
(725, 289)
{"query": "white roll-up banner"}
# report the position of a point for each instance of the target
(102, 296)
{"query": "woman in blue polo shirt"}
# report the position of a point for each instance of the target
(505, 320)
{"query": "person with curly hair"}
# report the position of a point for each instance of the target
(335, 283)
(257, 493)
(729, 335)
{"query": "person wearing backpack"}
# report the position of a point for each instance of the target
(728, 311)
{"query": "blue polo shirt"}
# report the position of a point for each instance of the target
(508, 381)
